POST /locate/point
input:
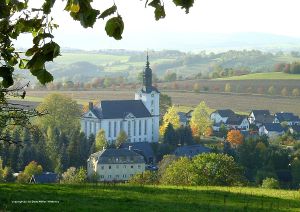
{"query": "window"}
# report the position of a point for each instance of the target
(139, 166)
(109, 167)
(117, 176)
(145, 129)
(102, 176)
(115, 128)
(109, 130)
(102, 167)
(124, 175)
(90, 127)
(140, 127)
(152, 95)
(109, 176)
(121, 125)
(134, 128)
(124, 166)
(152, 102)
(131, 175)
(129, 129)
(132, 167)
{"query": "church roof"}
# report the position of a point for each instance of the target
(115, 109)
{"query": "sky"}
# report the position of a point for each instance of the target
(208, 19)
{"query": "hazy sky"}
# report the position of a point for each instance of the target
(206, 17)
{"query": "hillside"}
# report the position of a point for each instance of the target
(82, 66)
(265, 76)
(150, 198)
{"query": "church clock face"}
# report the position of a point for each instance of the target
(152, 95)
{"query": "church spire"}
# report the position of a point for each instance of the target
(147, 76)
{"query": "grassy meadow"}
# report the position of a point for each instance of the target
(265, 76)
(91, 197)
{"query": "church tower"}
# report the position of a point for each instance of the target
(150, 97)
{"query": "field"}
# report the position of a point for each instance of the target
(149, 198)
(265, 76)
(238, 102)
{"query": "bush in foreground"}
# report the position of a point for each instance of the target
(271, 183)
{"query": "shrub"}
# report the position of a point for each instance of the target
(145, 178)
(74, 176)
(271, 183)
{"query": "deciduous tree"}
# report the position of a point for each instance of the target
(101, 141)
(200, 120)
(235, 137)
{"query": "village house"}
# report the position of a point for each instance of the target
(237, 122)
(272, 130)
(115, 164)
(221, 116)
(138, 118)
(261, 117)
(295, 129)
(191, 150)
(184, 118)
(142, 148)
(288, 118)
(46, 177)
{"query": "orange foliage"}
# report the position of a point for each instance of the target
(235, 137)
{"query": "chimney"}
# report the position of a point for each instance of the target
(91, 105)
(130, 148)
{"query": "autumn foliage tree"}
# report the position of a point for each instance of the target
(171, 117)
(200, 120)
(235, 137)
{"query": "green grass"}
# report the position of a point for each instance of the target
(265, 76)
(149, 198)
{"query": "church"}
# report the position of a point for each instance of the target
(138, 118)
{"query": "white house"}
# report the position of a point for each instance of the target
(139, 118)
(239, 122)
(272, 130)
(115, 164)
(221, 116)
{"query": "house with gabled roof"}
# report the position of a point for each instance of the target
(288, 118)
(272, 130)
(115, 164)
(260, 117)
(46, 177)
(221, 116)
(191, 150)
(138, 118)
(239, 122)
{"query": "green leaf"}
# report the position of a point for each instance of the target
(47, 6)
(185, 4)
(159, 12)
(41, 36)
(45, 77)
(31, 51)
(108, 12)
(154, 3)
(23, 63)
(72, 6)
(114, 27)
(6, 74)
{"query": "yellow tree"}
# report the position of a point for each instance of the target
(171, 117)
(101, 140)
(235, 137)
(200, 120)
